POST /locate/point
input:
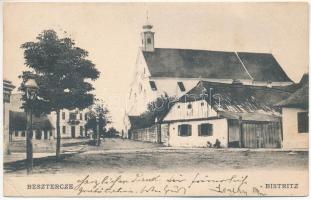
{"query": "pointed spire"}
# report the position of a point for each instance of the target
(147, 25)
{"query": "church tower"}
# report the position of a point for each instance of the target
(147, 37)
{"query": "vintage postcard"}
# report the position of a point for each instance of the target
(155, 99)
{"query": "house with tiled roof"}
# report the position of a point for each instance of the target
(173, 72)
(295, 117)
(236, 115)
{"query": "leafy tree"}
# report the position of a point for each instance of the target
(159, 107)
(98, 118)
(63, 74)
(112, 132)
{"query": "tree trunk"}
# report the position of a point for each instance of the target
(58, 134)
(98, 136)
(29, 150)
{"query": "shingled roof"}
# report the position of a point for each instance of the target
(188, 63)
(299, 99)
(235, 98)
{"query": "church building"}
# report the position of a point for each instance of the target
(171, 72)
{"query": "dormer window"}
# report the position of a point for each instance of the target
(181, 86)
(153, 85)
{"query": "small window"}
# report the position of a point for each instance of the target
(23, 133)
(303, 122)
(153, 85)
(184, 130)
(63, 115)
(181, 86)
(81, 116)
(16, 133)
(178, 106)
(85, 116)
(189, 106)
(202, 103)
(205, 129)
(72, 116)
(64, 129)
(149, 40)
(50, 133)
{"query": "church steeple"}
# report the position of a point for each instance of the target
(147, 37)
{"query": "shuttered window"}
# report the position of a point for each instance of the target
(153, 85)
(303, 122)
(181, 86)
(205, 129)
(184, 130)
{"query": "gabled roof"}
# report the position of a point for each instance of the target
(18, 121)
(236, 98)
(188, 63)
(263, 67)
(299, 99)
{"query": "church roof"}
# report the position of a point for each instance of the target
(188, 63)
(263, 67)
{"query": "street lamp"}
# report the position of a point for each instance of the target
(31, 89)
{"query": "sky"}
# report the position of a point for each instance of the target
(111, 34)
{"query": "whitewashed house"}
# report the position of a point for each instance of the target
(295, 118)
(173, 72)
(72, 122)
(236, 115)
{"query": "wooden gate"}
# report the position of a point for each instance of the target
(261, 135)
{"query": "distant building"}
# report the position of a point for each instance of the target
(41, 127)
(295, 117)
(7, 90)
(72, 122)
(173, 72)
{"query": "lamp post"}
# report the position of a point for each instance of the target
(31, 88)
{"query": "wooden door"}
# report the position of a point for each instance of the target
(73, 131)
(261, 134)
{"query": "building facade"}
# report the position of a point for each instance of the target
(72, 122)
(170, 72)
(295, 118)
(7, 90)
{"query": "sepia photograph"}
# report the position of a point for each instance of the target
(155, 99)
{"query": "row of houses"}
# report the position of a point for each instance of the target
(72, 122)
(216, 98)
